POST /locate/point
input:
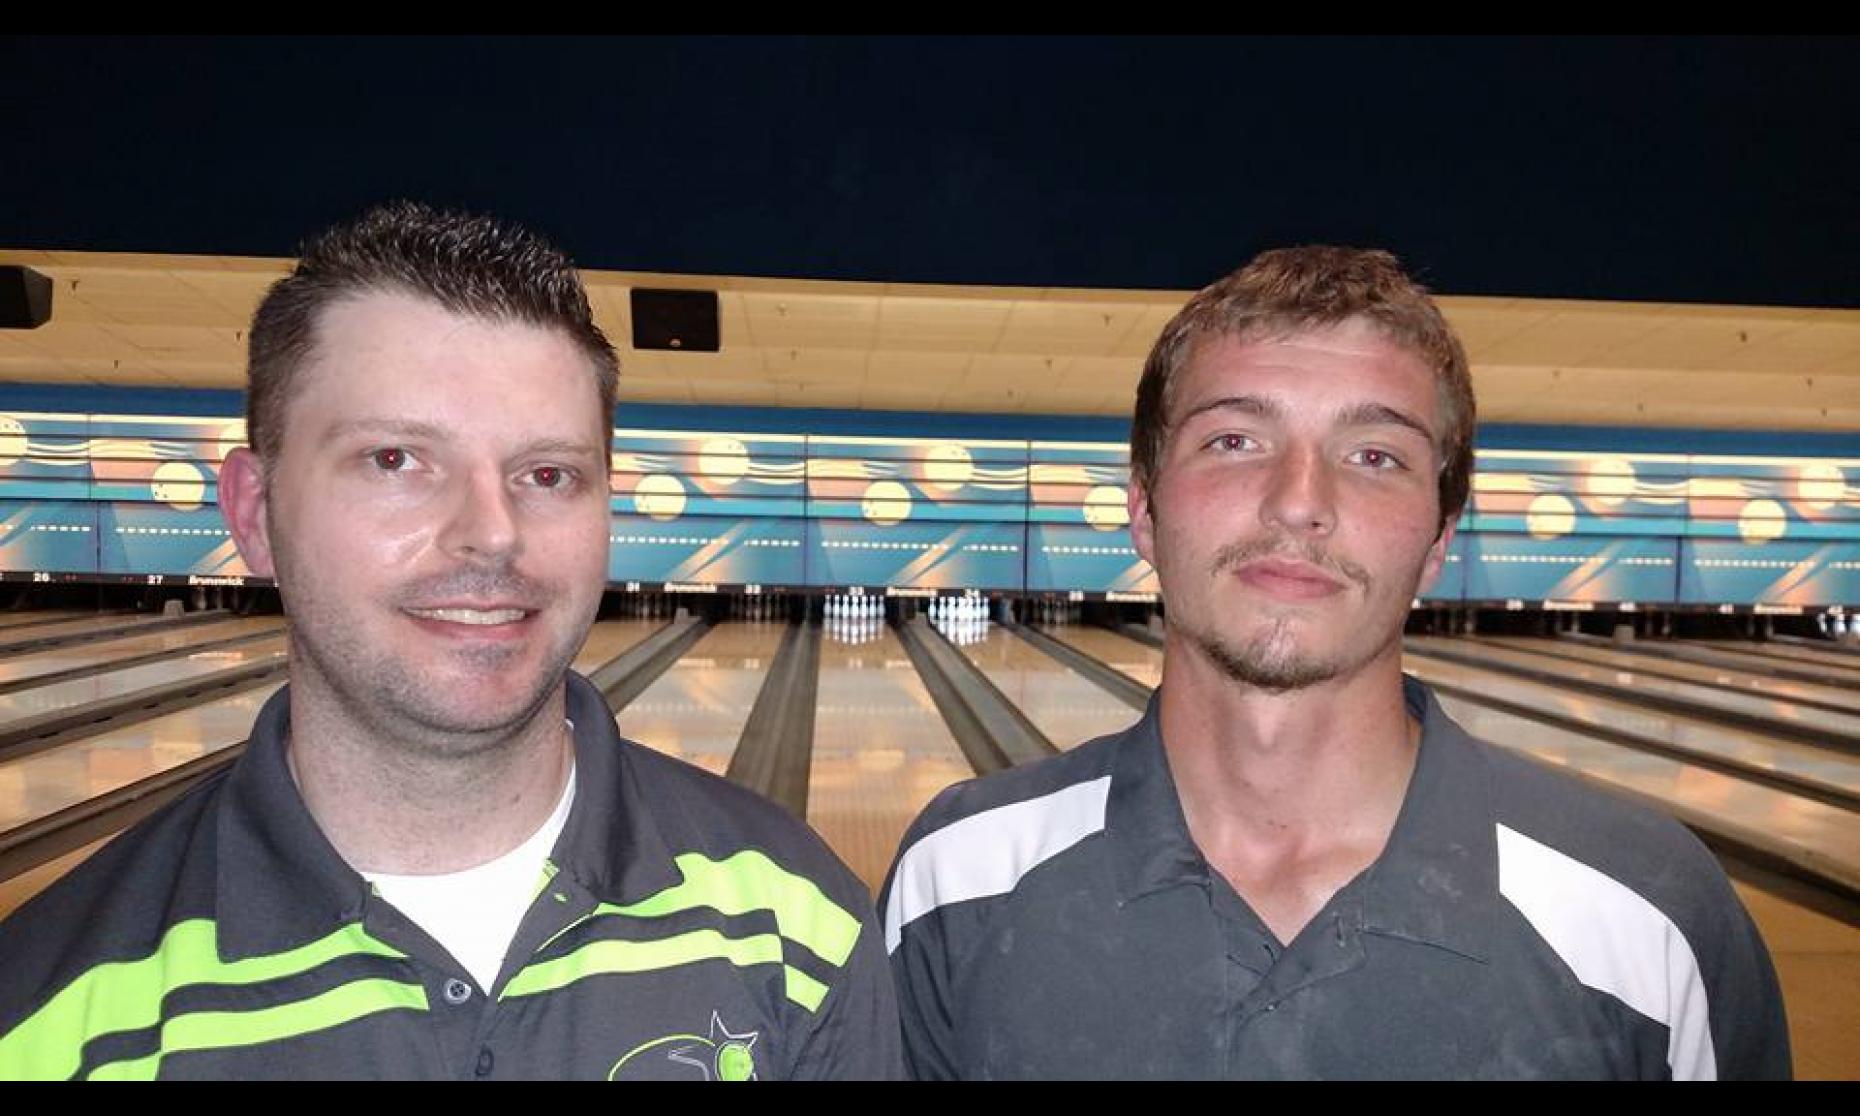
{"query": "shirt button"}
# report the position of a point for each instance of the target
(456, 991)
(485, 1061)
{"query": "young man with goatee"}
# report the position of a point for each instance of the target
(1295, 865)
(436, 857)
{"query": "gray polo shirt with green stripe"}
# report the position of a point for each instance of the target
(687, 929)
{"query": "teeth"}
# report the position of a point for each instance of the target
(470, 615)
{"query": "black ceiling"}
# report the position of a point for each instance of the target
(1711, 170)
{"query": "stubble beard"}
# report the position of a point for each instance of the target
(1274, 659)
(383, 693)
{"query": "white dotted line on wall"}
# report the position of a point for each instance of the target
(1748, 563)
(923, 548)
(1568, 560)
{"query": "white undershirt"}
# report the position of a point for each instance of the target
(475, 913)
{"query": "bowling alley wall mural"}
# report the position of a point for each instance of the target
(133, 497)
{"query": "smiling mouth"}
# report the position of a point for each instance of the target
(477, 617)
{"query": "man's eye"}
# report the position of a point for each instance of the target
(391, 460)
(1231, 443)
(548, 476)
(1378, 459)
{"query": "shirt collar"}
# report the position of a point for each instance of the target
(611, 844)
(1150, 845)
(281, 882)
(1437, 877)
(1433, 882)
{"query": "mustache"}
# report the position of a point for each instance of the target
(1240, 553)
(503, 585)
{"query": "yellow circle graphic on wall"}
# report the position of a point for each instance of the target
(1106, 508)
(659, 496)
(949, 467)
(724, 460)
(1820, 486)
(1761, 521)
(1608, 480)
(886, 502)
(1551, 516)
(178, 484)
(12, 439)
(232, 436)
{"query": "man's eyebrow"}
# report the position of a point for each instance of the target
(414, 430)
(397, 428)
(1255, 405)
(1362, 414)
(563, 447)
(1381, 414)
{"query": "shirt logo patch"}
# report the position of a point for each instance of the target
(723, 1055)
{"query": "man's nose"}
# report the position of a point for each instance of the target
(482, 521)
(1302, 497)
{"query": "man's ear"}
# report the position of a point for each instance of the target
(1142, 526)
(1436, 557)
(242, 504)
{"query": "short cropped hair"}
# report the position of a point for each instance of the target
(470, 265)
(1290, 290)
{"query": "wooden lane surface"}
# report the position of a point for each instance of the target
(1062, 703)
(26, 667)
(695, 711)
(881, 751)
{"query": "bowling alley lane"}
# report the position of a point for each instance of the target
(73, 772)
(1810, 832)
(80, 625)
(34, 617)
(27, 667)
(1833, 771)
(69, 694)
(1650, 659)
(881, 749)
(610, 639)
(1139, 660)
(1062, 703)
(1706, 698)
(696, 709)
(1839, 666)
(43, 783)
(1817, 958)
(14, 892)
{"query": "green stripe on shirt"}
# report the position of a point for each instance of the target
(121, 996)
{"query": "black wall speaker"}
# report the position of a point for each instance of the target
(684, 321)
(25, 298)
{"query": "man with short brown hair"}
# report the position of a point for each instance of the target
(1295, 865)
(436, 857)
